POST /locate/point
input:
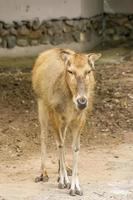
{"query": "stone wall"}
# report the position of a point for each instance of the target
(118, 27)
(107, 26)
(63, 30)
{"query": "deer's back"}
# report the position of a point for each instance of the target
(48, 77)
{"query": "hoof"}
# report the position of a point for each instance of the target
(68, 185)
(69, 171)
(41, 179)
(61, 186)
(79, 192)
(72, 192)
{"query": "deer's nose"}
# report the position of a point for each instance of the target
(82, 102)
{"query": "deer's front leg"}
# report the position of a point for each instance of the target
(63, 177)
(75, 186)
(76, 131)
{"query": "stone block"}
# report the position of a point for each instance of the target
(36, 24)
(4, 43)
(35, 34)
(24, 31)
(13, 31)
(22, 42)
(34, 42)
(76, 36)
(4, 32)
(11, 41)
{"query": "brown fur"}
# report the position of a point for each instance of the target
(59, 78)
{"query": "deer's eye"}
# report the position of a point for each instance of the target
(70, 72)
(88, 72)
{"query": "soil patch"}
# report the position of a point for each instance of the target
(111, 119)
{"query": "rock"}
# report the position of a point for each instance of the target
(130, 96)
(48, 24)
(0, 40)
(122, 20)
(34, 42)
(43, 28)
(57, 39)
(117, 94)
(66, 29)
(44, 22)
(4, 43)
(26, 22)
(22, 42)
(68, 37)
(36, 24)
(36, 34)
(7, 25)
(78, 25)
(85, 36)
(13, 31)
(120, 30)
(17, 23)
(94, 24)
(100, 32)
(110, 31)
(76, 36)
(83, 28)
(57, 27)
(24, 31)
(88, 25)
(11, 41)
(46, 39)
(4, 32)
(50, 32)
(29, 24)
(130, 17)
(116, 37)
(1, 26)
(69, 22)
(129, 26)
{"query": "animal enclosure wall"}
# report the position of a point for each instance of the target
(49, 23)
(48, 9)
(32, 26)
(118, 20)
(119, 6)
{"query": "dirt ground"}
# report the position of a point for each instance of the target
(106, 161)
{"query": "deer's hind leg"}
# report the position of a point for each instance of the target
(43, 119)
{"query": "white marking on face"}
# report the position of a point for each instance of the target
(75, 98)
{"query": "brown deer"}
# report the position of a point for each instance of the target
(63, 82)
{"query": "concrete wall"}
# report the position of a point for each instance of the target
(91, 7)
(28, 10)
(46, 9)
(118, 6)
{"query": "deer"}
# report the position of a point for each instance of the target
(63, 82)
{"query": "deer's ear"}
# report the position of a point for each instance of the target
(66, 57)
(93, 57)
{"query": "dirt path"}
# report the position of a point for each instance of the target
(105, 173)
